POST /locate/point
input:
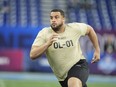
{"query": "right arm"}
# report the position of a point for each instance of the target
(37, 51)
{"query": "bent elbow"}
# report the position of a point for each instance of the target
(32, 56)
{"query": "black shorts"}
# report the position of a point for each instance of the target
(79, 70)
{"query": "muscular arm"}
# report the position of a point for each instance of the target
(93, 37)
(37, 51)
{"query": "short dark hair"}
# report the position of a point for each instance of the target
(59, 10)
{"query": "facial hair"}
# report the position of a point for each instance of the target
(57, 28)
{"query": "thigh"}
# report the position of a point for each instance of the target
(74, 82)
(81, 71)
(65, 83)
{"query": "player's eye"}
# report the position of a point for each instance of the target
(56, 17)
(51, 17)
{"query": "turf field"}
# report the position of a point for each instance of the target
(13, 79)
(28, 83)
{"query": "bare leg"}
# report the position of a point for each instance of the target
(74, 82)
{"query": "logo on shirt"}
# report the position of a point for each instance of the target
(67, 43)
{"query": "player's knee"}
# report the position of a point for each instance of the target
(74, 82)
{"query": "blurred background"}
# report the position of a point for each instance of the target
(21, 20)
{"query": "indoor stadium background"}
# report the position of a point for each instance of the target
(21, 20)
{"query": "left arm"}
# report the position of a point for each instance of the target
(93, 37)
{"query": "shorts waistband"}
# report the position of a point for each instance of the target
(81, 61)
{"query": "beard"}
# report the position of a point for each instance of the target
(56, 27)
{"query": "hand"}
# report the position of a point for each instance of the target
(96, 57)
(51, 39)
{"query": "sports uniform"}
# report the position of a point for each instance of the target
(64, 55)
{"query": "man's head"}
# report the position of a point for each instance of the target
(57, 19)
